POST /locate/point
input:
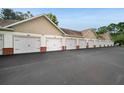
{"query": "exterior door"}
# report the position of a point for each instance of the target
(34, 43)
(1, 44)
(54, 44)
(26, 44)
(97, 43)
(82, 43)
(91, 43)
(71, 43)
(102, 43)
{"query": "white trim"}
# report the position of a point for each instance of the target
(8, 29)
(74, 36)
(16, 23)
(53, 36)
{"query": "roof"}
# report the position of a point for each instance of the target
(71, 32)
(22, 21)
(89, 33)
(105, 36)
(6, 22)
(5, 29)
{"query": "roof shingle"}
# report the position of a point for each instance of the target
(72, 32)
(7, 22)
(89, 33)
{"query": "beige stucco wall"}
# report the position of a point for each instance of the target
(89, 34)
(38, 26)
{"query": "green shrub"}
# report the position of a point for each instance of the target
(119, 38)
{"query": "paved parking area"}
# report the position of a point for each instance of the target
(87, 66)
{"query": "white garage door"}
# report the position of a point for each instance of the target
(106, 43)
(82, 43)
(71, 43)
(54, 44)
(1, 44)
(109, 43)
(97, 43)
(26, 44)
(102, 43)
(91, 43)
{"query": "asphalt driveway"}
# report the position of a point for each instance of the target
(87, 66)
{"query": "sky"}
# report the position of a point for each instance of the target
(81, 18)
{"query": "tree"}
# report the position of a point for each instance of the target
(7, 13)
(53, 18)
(22, 16)
(119, 38)
(112, 28)
(102, 30)
(120, 27)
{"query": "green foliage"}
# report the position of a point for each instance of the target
(119, 38)
(112, 28)
(102, 30)
(120, 27)
(7, 13)
(116, 31)
(53, 18)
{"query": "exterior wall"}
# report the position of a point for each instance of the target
(38, 26)
(7, 43)
(63, 44)
(1, 44)
(77, 45)
(89, 34)
(43, 44)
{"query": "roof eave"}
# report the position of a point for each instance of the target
(6, 29)
(16, 23)
(74, 36)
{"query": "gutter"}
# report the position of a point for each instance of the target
(6, 29)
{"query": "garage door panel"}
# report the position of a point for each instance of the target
(1, 44)
(34, 44)
(102, 43)
(26, 44)
(20, 45)
(82, 43)
(91, 43)
(54, 44)
(71, 43)
(97, 43)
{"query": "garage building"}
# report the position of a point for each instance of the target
(40, 34)
(106, 40)
(91, 36)
(36, 34)
(74, 39)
